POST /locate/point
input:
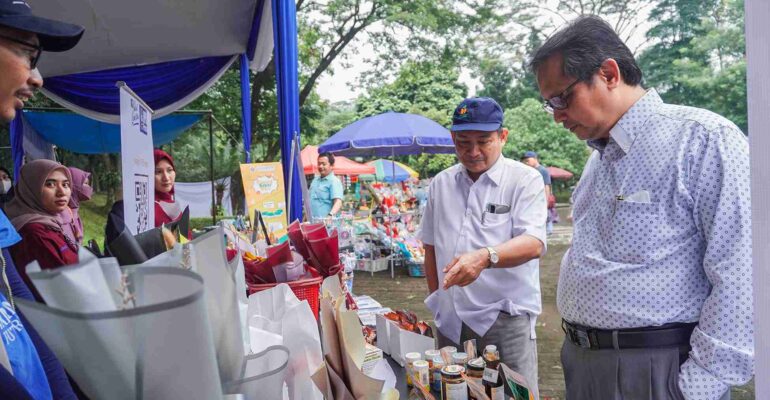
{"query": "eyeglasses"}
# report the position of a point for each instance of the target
(559, 102)
(34, 55)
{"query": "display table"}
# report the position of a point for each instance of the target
(400, 378)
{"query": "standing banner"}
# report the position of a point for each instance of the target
(137, 161)
(263, 186)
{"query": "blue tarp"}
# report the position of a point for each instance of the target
(80, 134)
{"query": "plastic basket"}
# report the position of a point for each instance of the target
(376, 265)
(415, 270)
(305, 289)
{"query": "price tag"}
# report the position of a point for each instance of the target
(490, 375)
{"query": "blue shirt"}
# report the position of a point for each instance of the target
(546, 175)
(25, 362)
(323, 191)
(662, 234)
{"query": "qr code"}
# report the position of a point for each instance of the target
(141, 199)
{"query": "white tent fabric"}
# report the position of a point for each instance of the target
(264, 48)
(122, 33)
(197, 195)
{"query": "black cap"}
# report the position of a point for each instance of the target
(53, 35)
(477, 114)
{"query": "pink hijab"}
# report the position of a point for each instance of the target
(80, 192)
(27, 207)
(72, 225)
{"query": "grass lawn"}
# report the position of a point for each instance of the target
(94, 216)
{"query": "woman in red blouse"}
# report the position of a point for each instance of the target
(41, 193)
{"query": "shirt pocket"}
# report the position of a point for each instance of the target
(497, 223)
(633, 232)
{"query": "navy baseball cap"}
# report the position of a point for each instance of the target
(529, 154)
(53, 35)
(477, 114)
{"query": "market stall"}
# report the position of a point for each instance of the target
(390, 134)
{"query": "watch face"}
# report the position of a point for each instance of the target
(493, 257)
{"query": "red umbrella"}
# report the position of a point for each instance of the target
(559, 174)
(342, 165)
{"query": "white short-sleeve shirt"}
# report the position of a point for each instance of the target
(455, 223)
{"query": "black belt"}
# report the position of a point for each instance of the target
(676, 334)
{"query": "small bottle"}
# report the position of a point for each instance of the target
(453, 385)
(421, 374)
(429, 356)
(460, 359)
(409, 360)
(493, 382)
(475, 371)
(435, 383)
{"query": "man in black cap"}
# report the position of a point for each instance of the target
(484, 230)
(28, 368)
(23, 38)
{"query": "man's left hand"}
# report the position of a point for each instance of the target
(464, 269)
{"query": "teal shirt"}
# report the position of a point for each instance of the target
(323, 191)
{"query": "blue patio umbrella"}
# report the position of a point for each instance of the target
(390, 134)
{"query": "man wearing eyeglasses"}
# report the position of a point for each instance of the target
(28, 369)
(656, 289)
(23, 37)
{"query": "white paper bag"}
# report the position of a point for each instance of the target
(278, 311)
(207, 257)
(88, 286)
(160, 349)
(264, 374)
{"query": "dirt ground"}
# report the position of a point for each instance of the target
(405, 292)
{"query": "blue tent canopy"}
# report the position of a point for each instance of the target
(79, 134)
(390, 133)
(169, 57)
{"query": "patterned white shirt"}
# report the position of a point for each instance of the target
(662, 234)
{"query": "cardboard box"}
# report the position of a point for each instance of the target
(397, 342)
(382, 325)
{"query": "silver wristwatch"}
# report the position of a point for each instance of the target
(493, 257)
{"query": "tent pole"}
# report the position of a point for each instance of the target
(291, 176)
(392, 221)
(211, 170)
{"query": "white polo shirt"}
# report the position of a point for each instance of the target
(453, 224)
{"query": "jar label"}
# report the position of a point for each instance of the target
(490, 375)
(456, 391)
(423, 377)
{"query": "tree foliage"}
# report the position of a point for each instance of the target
(532, 129)
(699, 56)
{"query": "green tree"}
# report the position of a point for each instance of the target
(429, 88)
(531, 128)
(698, 58)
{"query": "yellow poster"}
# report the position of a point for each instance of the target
(263, 185)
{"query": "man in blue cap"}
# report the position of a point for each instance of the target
(530, 158)
(28, 369)
(484, 230)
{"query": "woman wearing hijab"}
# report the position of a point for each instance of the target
(6, 185)
(41, 194)
(167, 209)
(81, 191)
